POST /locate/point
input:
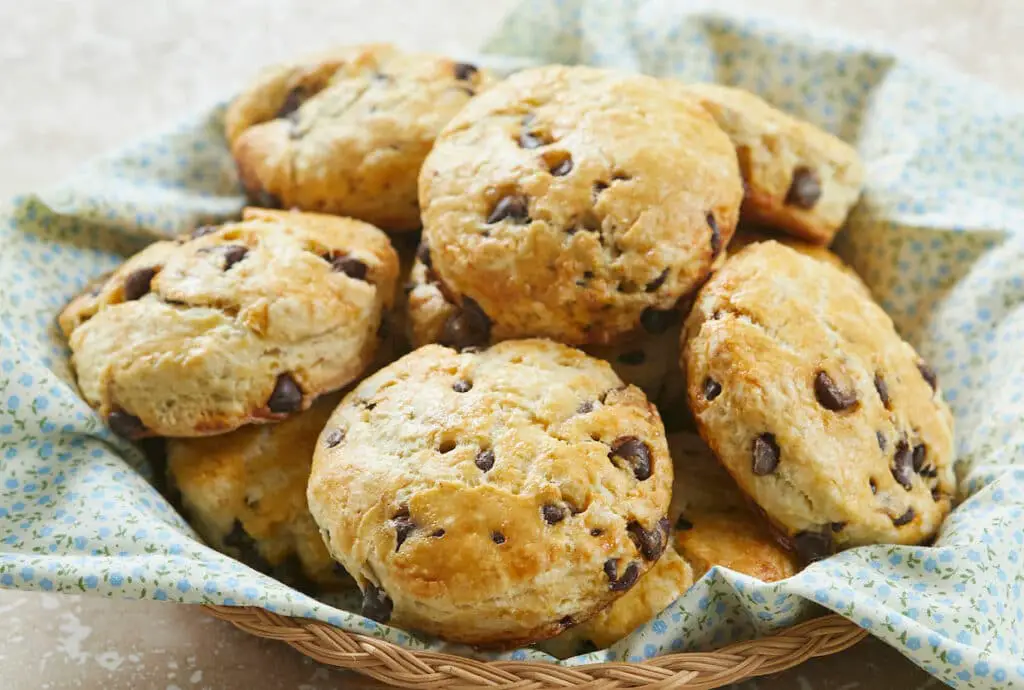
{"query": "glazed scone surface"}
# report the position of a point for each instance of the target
(798, 178)
(245, 322)
(825, 417)
(346, 131)
(577, 203)
(493, 497)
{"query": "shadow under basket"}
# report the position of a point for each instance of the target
(401, 667)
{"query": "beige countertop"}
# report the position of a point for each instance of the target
(82, 76)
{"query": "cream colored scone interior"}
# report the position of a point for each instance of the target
(346, 131)
(798, 177)
(825, 417)
(245, 493)
(493, 497)
(576, 203)
(244, 322)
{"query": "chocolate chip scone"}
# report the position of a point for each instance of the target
(346, 131)
(245, 494)
(244, 322)
(804, 390)
(577, 204)
(493, 497)
(798, 177)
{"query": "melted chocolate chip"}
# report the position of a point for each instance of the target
(377, 605)
(596, 532)
(469, 326)
(881, 440)
(650, 543)
(632, 358)
(350, 266)
(497, 537)
(125, 425)
(423, 254)
(611, 569)
(585, 407)
(333, 438)
(292, 101)
(904, 519)
(514, 207)
(204, 230)
(716, 236)
(286, 397)
(461, 386)
(830, 395)
(682, 524)
(805, 190)
(566, 621)
(657, 282)
(627, 579)
(553, 513)
(838, 526)
(635, 453)
(919, 453)
(658, 320)
(812, 546)
(138, 283)
(928, 374)
(485, 460)
(766, 454)
(937, 495)
(712, 389)
(883, 390)
(404, 526)
(233, 253)
(562, 168)
(464, 70)
(903, 465)
(437, 533)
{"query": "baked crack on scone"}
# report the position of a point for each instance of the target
(346, 131)
(493, 497)
(244, 322)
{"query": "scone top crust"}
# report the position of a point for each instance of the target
(820, 411)
(493, 497)
(346, 131)
(244, 322)
(577, 203)
(798, 177)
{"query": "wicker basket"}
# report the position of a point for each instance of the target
(400, 667)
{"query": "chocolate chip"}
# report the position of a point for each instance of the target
(716, 236)
(611, 569)
(883, 390)
(423, 254)
(805, 190)
(497, 537)
(514, 207)
(658, 320)
(937, 495)
(929, 472)
(598, 188)
(287, 396)
(485, 460)
(838, 526)
(529, 140)
(469, 326)
(138, 283)
(292, 101)
(350, 266)
(461, 386)
(632, 358)
(627, 580)
(566, 621)
(404, 526)
(904, 519)
(919, 453)
(233, 253)
(635, 453)
(585, 407)
(812, 546)
(437, 534)
(712, 389)
(881, 440)
(125, 425)
(657, 282)
(650, 543)
(766, 454)
(562, 168)
(447, 446)
(553, 513)
(830, 395)
(902, 465)
(333, 438)
(874, 486)
(464, 70)
(377, 605)
(682, 524)
(596, 532)
(204, 230)
(929, 374)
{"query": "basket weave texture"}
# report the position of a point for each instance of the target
(394, 665)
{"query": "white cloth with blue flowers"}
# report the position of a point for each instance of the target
(939, 237)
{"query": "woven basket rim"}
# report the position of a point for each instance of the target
(400, 667)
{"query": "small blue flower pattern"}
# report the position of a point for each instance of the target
(938, 236)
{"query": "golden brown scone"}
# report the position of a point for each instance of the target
(575, 203)
(825, 417)
(346, 131)
(245, 322)
(798, 178)
(713, 522)
(493, 497)
(245, 494)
